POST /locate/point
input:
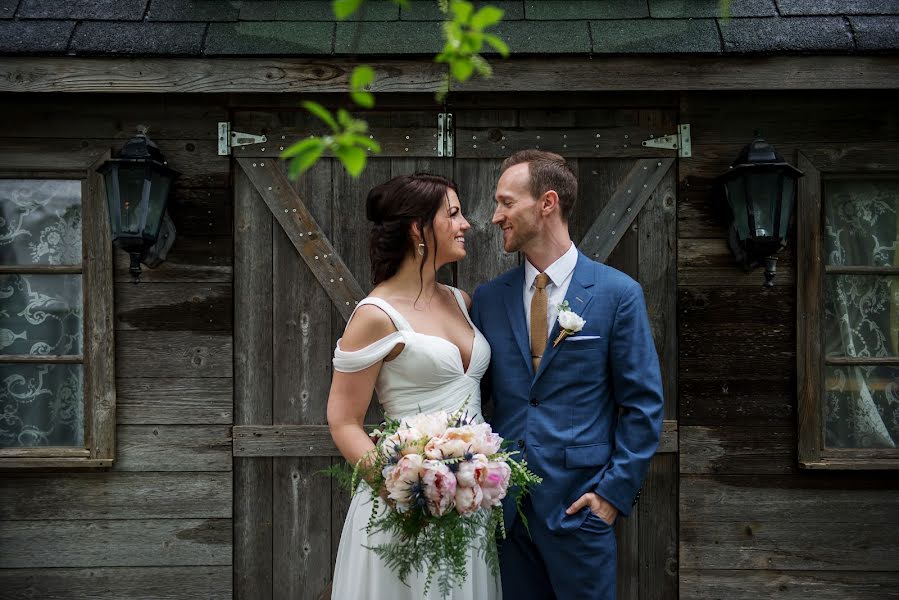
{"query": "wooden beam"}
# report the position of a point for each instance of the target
(304, 232)
(331, 75)
(618, 215)
(315, 440)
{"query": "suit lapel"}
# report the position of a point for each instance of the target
(579, 298)
(513, 298)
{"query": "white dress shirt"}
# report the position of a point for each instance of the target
(560, 273)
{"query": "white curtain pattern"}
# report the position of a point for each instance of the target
(861, 313)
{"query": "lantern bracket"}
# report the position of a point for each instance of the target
(232, 139)
(679, 141)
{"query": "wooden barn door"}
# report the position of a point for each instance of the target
(301, 264)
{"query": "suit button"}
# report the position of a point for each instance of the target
(534, 402)
(521, 443)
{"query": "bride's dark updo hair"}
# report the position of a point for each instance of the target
(393, 207)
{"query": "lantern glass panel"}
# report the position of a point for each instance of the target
(736, 197)
(158, 193)
(126, 184)
(763, 191)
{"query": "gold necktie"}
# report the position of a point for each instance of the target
(539, 307)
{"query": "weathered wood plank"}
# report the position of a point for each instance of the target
(657, 239)
(611, 73)
(486, 258)
(315, 440)
(625, 204)
(819, 499)
(306, 235)
(658, 530)
(164, 401)
(191, 259)
(99, 338)
(731, 117)
(745, 544)
(721, 398)
(115, 495)
(173, 448)
(116, 583)
(197, 160)
(175, 354)
(168, 117)
(627, 536)
(300, 568)
(131, 543)
(173, 307)
(200, 212)
(700, 213)
(737, 450)
(787, 585)
(214, 76)
(809, 312)
(685, 73)
(572, 142)
(252, 389)
(302, 564)
(710, 262)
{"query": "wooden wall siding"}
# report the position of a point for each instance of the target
(115, 583)
(752, 524)
(159, 523)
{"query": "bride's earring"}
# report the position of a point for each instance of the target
(421, 249)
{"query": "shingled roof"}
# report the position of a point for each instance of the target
(307, 28)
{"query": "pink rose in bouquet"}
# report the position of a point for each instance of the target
(494, 482)
(468, 499)
(439, 485)
(400, 479)
(468, 470)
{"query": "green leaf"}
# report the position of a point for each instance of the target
(462, 9)
(362, 76)
(353, 159)
(343, 9)
(301, 146)
(344, 118)
(487, 16)
(304, 160)
(364, 142)
(322, 113)
(498, 45)
(462, 69)
(363, 99)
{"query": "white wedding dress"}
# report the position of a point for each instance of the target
(427, 376)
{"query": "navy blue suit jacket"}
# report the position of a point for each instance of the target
(590, 418)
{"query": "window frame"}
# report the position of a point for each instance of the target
(98, 337)
(819, 166)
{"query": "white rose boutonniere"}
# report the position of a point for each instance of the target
(569, 322)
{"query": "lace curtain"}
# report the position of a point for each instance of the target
(41, 404)
(862, 313)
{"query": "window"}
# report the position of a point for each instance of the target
(848, 318)
(57, 397)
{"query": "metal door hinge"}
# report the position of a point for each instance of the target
(679, 141)
(445, 134)
(231, 139)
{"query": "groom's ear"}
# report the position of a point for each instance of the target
(549, 202)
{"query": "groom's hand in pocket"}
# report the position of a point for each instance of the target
(597, 505)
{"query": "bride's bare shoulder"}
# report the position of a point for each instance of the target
(368, 325)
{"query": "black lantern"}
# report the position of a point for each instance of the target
(137, 181)
(760, 187)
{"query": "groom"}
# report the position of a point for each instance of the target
(586, 412)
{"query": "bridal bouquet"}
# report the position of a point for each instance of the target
(444, 477)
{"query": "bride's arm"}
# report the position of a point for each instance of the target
(351, 393)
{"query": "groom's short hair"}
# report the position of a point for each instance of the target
(548, 171)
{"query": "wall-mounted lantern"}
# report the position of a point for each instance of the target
(138, 181)
(760, 188)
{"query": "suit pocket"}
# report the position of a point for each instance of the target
(591, 455)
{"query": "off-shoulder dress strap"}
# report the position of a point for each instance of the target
(358, 360)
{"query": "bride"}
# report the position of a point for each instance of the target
(412, 341)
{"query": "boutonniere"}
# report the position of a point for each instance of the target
(568, 321)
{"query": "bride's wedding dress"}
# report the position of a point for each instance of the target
(427, 376)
